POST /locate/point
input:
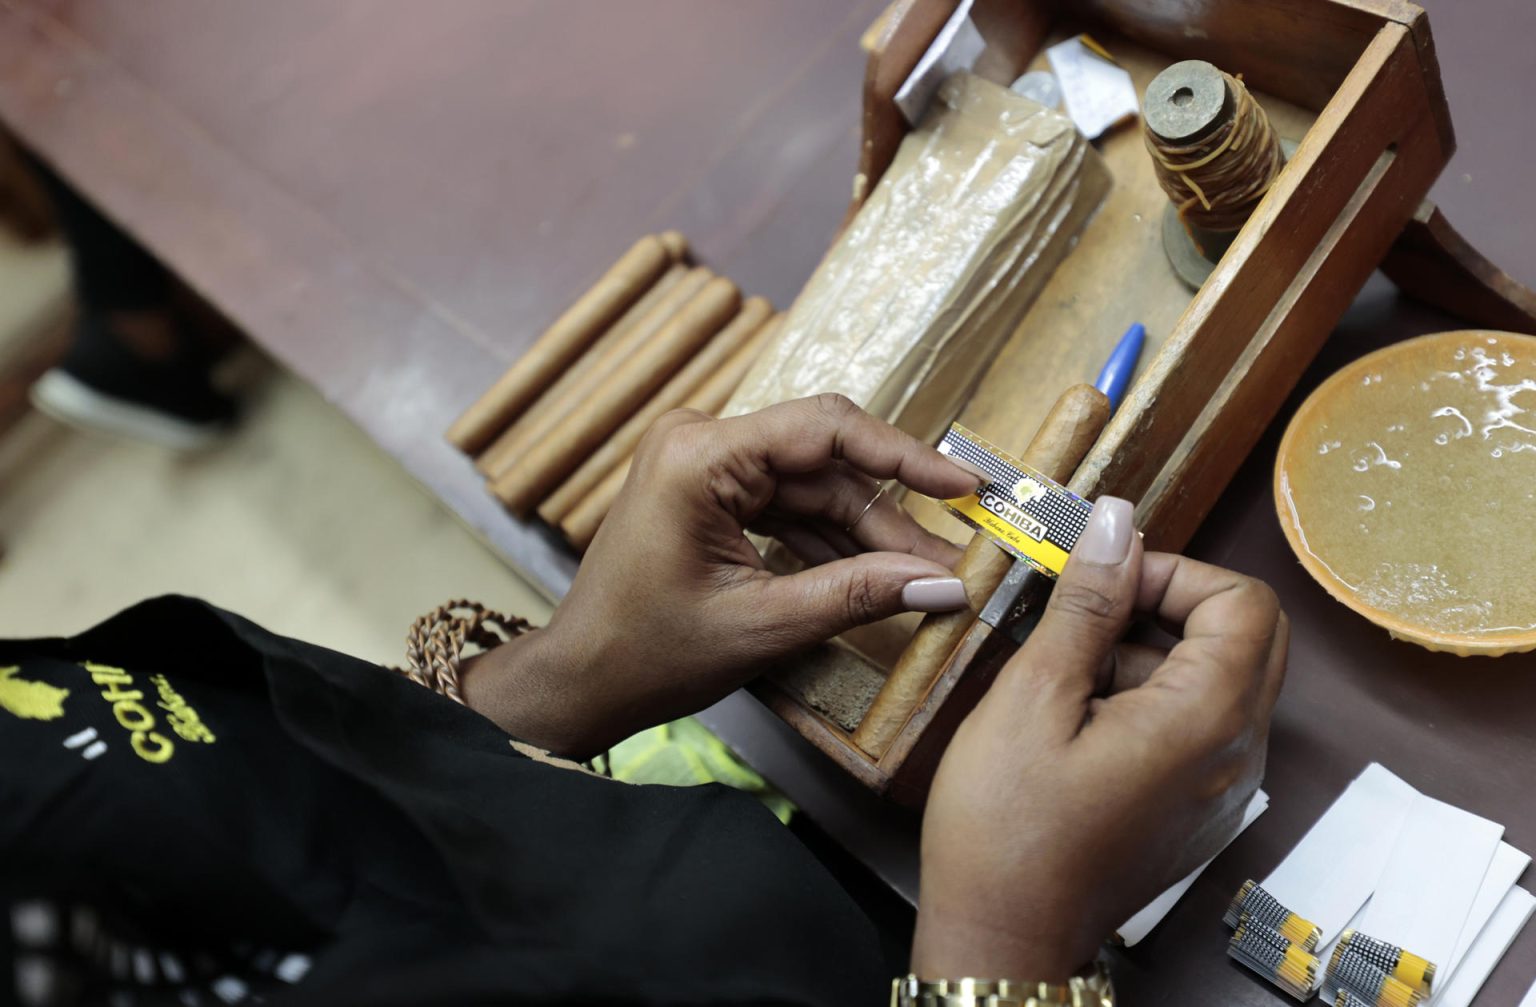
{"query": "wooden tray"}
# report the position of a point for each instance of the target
(1356, 85)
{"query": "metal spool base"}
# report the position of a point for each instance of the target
(1191, 266)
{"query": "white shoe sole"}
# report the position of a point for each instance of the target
(71, 401)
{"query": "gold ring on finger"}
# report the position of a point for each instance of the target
(879, 491)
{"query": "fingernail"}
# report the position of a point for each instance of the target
(934, 594)
(1107, 539)
(975, 470)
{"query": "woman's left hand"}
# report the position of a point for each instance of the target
(673, 608)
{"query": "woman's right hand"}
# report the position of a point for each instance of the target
(1096, 773)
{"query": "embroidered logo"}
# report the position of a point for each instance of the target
(138, 719)
(30, 700)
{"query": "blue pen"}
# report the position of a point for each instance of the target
(1115, 378)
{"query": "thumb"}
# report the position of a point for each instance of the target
(816, 604)
(1089, 611)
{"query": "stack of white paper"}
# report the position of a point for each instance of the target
(1417, 872)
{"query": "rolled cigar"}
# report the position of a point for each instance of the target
(754, 312)
(552, 458)
(580, 526)
(624, 283)
(713, 394)
(588, 372)
(582, 523)
(1064, 438)
(676, 244)
(509, 441)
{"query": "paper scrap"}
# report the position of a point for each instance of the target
(1040, 86)
(1334, 869)
(1098, 93)
(1508, 864)
(1431, 878)
(1138, 926)
(956, 47)
(1530, 997)
(1486, 951)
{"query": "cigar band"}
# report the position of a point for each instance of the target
(1025, 512)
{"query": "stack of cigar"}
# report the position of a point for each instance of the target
(555, 434)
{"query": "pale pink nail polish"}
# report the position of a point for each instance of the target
(1107, 539)
(934, 594)
(975, 470)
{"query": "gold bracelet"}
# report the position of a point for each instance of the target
(1090, 989)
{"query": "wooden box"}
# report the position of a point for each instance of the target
(1355, 84)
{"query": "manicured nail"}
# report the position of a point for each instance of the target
(934, 594)
(975, 470)
(1107, 539)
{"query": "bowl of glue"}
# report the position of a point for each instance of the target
(1406, 485)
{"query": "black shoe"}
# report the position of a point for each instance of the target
(102, 386)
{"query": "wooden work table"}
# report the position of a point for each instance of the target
(393, 197)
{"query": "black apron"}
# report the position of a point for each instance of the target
(193, 810)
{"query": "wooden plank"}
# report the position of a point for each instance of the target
(826, 736)
(1301, 50)
(1013, 32)
(1417, 21)
(914, 757)
(1433, 263)
(898, 39)
(1210, 454)
(902, 34)
(1266, 40)
(1370, 112)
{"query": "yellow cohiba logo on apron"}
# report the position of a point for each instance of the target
(30, 700)
(131, 708)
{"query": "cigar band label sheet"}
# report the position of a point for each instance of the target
(1028, 514)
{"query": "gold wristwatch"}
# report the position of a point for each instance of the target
(1090, 988)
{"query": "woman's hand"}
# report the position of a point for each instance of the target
(672, 608)
(1096, 773)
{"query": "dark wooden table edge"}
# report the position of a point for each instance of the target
(72, 105)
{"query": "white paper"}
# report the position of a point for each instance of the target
(1432, 877)
(1486, 950)
(1098, 93)
(1328, 991)
(1334, 869)
(1530, 997)
(956, 47)
(1039, 86)
(1138, 926)
(1508, 864)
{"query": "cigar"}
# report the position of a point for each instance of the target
(1059, 446)
(513, 439)
(589, 371)
(675, 244)
(622, 285)
(550, 459)
(713, 394)
(580, 526)
(754, 312)
(582, 523)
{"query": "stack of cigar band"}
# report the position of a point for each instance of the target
(555, 434)
(1379, 973)
(1273, 941)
